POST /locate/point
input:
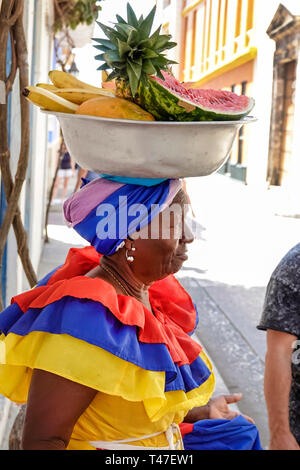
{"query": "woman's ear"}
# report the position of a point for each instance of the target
(128, 244)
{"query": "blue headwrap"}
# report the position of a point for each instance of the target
(105, 212)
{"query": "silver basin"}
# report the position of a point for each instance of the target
(148, 149)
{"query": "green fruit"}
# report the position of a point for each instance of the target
(169, 100)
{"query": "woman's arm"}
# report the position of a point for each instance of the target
(54, 406)
(278, 379)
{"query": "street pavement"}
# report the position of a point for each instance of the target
(244, 232)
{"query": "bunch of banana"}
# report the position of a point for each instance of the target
(65, 93)
(48, 100)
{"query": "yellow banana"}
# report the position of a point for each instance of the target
(62, 79)
(79, 96)
(46, 99)
(47, 86)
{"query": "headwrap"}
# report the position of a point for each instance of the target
(122, 208)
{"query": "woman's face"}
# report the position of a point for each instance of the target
(164, 250)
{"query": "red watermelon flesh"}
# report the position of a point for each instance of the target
(169, 99)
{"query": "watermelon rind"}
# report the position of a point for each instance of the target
(165, 105)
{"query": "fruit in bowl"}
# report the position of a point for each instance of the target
(145, 88)
(114, 108)
(142, 73)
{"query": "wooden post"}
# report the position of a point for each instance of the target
(11, 25)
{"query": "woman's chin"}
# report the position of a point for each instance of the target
(178, 263)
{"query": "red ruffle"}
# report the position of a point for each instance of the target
(174, 318)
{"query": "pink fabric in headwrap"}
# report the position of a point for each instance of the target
(80, 204)
(175, 186)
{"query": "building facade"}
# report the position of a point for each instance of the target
(38, 19)
(284, 158)
(223, 44)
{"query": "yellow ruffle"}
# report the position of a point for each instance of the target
(180, 400)
(92, 366)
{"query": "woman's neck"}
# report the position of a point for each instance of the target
(123, 277)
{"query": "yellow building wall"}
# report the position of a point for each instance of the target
(235, 78)
(218, 36)
(218, 51)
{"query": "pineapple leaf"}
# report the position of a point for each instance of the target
(104, 42)
(156, 34)
(103, 67)
(123, 48)
(111, 76)
(159, 74)
(137, 60)
(146, 26)
(133, 38)
(145, 43)
(110, 57)
(120, 19)
(109, 32)
(102, 48)
(131, 18)
(136, 68)
(125, 29)
(133, 80)
(161, 41)
(148, 67)
(149, 54)
(130, 51)
(100, 57)
(169, 45)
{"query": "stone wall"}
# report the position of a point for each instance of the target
(287, 39)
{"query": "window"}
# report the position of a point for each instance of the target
(193, 61)
(238, 18)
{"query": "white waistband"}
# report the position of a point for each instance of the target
(172, 430)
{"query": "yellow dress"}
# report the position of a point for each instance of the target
(147, 370)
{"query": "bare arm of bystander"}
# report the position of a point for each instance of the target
(278, 379)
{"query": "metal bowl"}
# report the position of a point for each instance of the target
(148, 149)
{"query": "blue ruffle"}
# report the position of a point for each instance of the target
(93, 323)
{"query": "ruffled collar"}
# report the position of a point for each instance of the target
(174, 312)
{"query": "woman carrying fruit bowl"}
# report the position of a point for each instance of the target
(101, 349)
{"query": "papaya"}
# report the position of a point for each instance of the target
(114, 108)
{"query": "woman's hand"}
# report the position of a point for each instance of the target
(218, 407)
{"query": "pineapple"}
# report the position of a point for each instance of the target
(131, 54)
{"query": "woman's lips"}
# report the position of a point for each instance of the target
(182, 256)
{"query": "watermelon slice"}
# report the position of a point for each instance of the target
(169, 100)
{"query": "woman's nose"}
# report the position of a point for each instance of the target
(187, 236)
